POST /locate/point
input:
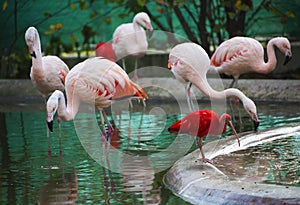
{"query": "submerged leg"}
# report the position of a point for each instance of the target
(205, 160)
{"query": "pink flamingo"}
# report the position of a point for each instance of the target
(130, 40)
(95, 81)
(105, 49)
(201, 123)
(190, 63)
(240, 55)
(47, 73)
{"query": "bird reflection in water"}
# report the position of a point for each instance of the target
(137, 173)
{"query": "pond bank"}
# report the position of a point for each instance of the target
(167, 88)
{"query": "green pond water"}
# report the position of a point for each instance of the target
(74, 165)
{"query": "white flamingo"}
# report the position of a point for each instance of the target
(190, 63)
(240, 55)
(47, 73)
(130, 40)
(96, 81)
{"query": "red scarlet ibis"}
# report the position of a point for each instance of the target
(130, 40)
(190, 63)
(201, 123)
(105, 49)
(240, 55)
(96, 81)
(47, 73)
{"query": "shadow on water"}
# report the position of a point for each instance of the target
(130, 169)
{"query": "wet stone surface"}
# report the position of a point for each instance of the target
(264, 170)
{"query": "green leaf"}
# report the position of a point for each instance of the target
(290, 14)
(141, 2)
(243, 7)
(231, 15)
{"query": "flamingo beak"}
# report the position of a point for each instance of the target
(149, 33)
(33, 54)
(256, 124)
(288, 57)
(50, 125)
(49, 120)
(234, 131)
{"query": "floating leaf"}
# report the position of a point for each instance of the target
(4, 5)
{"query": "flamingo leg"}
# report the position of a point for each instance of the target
(205, 160)
(123, 64)
(109, 126)
(135, 76)
(188, 96)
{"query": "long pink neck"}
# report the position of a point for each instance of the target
(271, 63)
(37, 62)
(67, 113)
(202, 84)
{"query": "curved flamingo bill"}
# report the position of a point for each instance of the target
(50, 125)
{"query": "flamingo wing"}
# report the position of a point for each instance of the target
(100, 79)
(237, 55)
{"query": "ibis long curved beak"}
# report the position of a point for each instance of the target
(288, 57)
(234, 131)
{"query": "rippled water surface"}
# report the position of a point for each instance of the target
(75, 165)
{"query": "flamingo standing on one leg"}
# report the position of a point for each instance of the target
(189, 63)
(47, 73)
(201, 123)
(240, 55)
(95, 81)
(105, 49)
(130, 40)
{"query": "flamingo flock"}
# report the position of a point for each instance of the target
(100, 80)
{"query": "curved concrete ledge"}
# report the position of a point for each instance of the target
(228, 181)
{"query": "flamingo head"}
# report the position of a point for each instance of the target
(52, 106)
(143, 20)
(228, 121)
(31, 36)
(284, 46)
(250, 107)
(175, 65)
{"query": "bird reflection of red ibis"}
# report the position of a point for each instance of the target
(105, 49)
(201, 123)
